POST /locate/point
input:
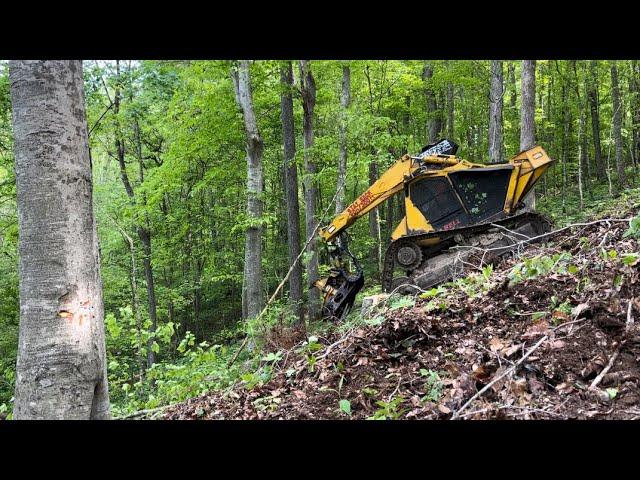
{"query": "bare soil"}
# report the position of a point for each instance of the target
(425, 363)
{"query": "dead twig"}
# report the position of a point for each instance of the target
(531, 409)
(606, 369)
(144, 413)
(328, 349)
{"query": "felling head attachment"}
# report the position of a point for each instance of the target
(341, 286)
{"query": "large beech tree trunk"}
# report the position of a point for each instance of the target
(61, 368)
(255, 189)
(308, 92)
(291, 189)
(527, 116)
(495, 112)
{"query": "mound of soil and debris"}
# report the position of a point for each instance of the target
(555, 345)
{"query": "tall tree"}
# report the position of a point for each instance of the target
(434, 120)
(496, 95)
(450, 105)
(594, 107)
(617, 122)
(291, 188)
(61, 368)
(345, 100)
(308, 93)
(634, 90)
(255, 189)
(142, 228)
(582, 137)
(528, 116)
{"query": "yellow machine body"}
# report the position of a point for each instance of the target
(521, 173)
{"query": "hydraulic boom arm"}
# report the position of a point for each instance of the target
(390, 183)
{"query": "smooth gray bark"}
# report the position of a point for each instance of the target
(61, 367)
(255, 189)
(527, 116)
(496, 95)
(308, 92)
(345, 100)
(291, 189)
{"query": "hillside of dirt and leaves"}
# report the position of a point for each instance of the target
(197, 231)
(547, 334)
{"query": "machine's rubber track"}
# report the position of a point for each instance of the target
(445, 235)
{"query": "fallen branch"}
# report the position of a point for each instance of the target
(544, 235)
(606, 369)
(510, 369)
(342, 340)
(144, 413)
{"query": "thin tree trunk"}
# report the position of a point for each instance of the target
(374, 220)
(634, 89)
(345, 100)
(61, 367)
(255, 189)
(450, 111)
(308, 91)
(592, 94)
(291, 188)
(617, 123)
(495, 113)
(527, 116)
(566, 130)
(581, 133)
(143, 233)
(434, 120)
(133, 281)
(511, 69)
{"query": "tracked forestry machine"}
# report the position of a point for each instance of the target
(453, 208)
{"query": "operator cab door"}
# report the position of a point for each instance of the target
(466, 197)
(483, 191)
(438, 203)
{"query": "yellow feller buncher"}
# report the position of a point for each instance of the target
(451, 206)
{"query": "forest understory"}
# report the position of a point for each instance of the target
(548, 334)
(197, 232)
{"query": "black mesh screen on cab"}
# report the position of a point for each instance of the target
(483, 191)
(437, 201)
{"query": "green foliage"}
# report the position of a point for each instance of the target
(402, 302)
(388, 410)
(634, 228)
(345, 407)
(433, 385)
(533, 267)
(184, 145)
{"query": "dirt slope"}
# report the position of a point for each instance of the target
(579, 306)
